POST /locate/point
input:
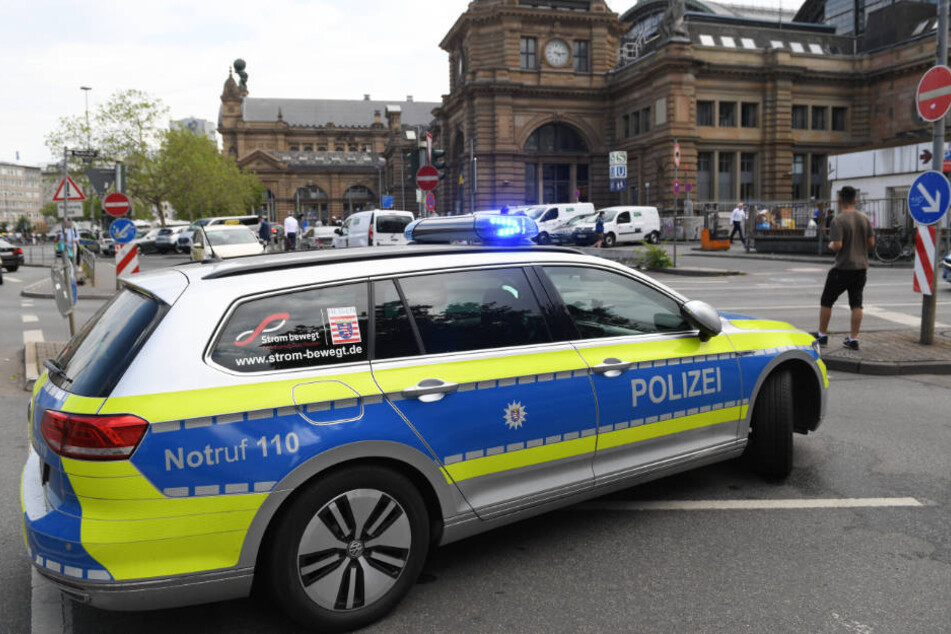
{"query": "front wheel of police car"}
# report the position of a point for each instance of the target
(348, 549)
(770, 449)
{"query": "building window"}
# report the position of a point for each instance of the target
(704, 176)
(636, 123)
(799, 117)
(531, 183)
(527, 50)
(727, 114)
(625, 126)
(747, 176)
(646, 120)
(295, 148)
(705, 113)
(819, 117)
(798, 176)
(581, 56)
(749, 115)
(838, 119)
(556, 183)
(555, 137)
(308, 148)
(817, 176)
(581, 182)
(725, 176)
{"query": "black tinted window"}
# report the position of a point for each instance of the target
(472, 310)
(95, 359)
(296, 330)
(394, 336)
(391, 223)
(606, 304)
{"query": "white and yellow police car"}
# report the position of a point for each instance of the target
(321, 420)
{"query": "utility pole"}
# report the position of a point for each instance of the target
(929, 303)
(67, 265)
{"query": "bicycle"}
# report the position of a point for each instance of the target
(893, 245)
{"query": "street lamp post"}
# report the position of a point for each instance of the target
(86, 90)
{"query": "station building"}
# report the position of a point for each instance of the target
(542, 90)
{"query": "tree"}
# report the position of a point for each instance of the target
(199, 181)
(23, 225)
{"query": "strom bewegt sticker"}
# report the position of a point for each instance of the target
(344, 326)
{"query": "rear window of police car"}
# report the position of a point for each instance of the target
(94, 361)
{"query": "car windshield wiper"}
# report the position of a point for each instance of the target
(57, 370)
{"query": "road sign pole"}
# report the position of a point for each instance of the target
(67, 270)
(929, 303)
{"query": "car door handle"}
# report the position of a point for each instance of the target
(612, 367)
(430, 390)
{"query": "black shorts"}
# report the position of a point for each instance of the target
(838, 281)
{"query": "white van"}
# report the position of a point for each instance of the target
(550, 217)
(631, 224)
(379, 227)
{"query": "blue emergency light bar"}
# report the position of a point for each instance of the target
(500, 229)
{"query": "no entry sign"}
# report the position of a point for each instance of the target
(427, 178)
(116, 204)
(934, 93)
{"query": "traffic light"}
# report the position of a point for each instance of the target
(412, 165)
(439, 162)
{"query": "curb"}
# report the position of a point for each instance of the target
(887, 368)
(791, 257)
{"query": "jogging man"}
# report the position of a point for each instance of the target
(851, 238)
(738, 217)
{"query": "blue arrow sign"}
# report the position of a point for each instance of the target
(122, 230)
(618, 184)
(929, 197)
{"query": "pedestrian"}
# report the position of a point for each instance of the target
(739, 219)
(851, 237)
(291, 227)
(68, 240)
(599, 229)
(264, 231)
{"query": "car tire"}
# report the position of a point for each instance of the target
(609, 240)
(322, 596)
(12, 269)
(653, 237)
(543, 238)
(770, 447)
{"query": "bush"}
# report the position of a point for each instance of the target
(654, 257)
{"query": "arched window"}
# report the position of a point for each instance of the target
(308, 148)
(555, 137)
(313, 203)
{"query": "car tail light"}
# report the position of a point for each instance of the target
(370, 236)
(87, 437)
(18, 251)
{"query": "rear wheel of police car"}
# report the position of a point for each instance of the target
(348, 549)
(770, 448)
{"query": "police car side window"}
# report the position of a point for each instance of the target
(394, 336)
(296, 330)
(473, 310)
(607, 304)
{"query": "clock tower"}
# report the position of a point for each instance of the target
(527, 94)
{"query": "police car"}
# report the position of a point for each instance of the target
(320, 421)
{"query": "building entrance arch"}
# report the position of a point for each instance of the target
(557, 162)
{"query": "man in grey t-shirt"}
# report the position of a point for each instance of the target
(851, 237)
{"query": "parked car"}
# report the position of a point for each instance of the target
(167, 238)
(621, 224)
(11, 256)
(565, 234)
(89, 241)
(107, 247)
(318, 238)
(185, 238)
(145, 240)
(550, 217)
(946, 266)
(379, 227)
(333, 416)
(224, 241)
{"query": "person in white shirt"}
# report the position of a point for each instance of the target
(739, 219)
(291, 227)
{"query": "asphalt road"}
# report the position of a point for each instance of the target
(676, 555)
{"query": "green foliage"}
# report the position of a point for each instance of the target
(23, 225)
(654, 257)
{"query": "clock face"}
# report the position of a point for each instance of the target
(556, 52)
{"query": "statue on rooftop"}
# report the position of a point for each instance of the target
(672, 24)
(239, 66)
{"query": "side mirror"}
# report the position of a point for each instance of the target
(704, 317)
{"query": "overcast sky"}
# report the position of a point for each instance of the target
(180, 52)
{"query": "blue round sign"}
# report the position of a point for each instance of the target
(122, 230)
(929, 197)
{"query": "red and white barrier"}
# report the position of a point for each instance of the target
(924, 259)
(127, 259)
